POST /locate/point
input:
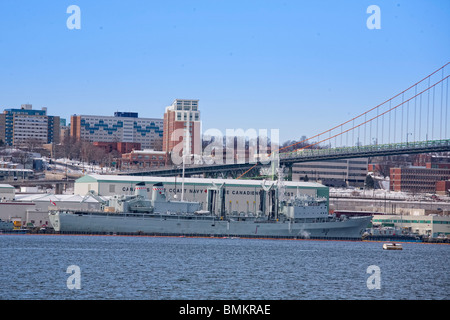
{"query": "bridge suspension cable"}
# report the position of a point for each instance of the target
(399, 128)
(376, 117)
(405, 119)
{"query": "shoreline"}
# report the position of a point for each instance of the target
(224, 237)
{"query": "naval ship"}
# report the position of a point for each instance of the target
(298, 217)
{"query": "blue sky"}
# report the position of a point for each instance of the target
(297, 66)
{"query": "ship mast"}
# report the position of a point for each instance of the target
(186, 150)
(281, 188)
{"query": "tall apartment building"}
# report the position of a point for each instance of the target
(338, 173)
(122, 127)
(180, 118)
(64, 130)
(20, 126)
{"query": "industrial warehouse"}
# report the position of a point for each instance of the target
(241, 195)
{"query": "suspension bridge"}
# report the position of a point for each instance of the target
(413, 121)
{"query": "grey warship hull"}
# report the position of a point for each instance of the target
(198, 225)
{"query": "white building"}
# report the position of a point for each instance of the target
(7, 192)
(28, 127)
(430, 225)
(32, 209)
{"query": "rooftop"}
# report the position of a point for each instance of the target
(149, 151)
(46, 197)
(133, 179)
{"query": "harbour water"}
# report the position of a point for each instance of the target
(156, 268)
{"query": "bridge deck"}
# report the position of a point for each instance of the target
(307, 155)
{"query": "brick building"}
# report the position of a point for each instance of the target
(417, 179)
(140, 159)
(121, 147)
(443, 187)
(181, 117)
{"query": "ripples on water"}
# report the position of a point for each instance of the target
(153, 268)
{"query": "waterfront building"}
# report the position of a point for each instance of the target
(19, 127)
(181, 118)
(122, 127)
(429, 225)
(241, 195)
(31, 210)
(333, 173)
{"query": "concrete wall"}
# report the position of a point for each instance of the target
(10, 210)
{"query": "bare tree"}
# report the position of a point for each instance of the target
(292, 145)
(22, 157)
(32, 144)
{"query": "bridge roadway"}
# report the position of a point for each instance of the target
(303, 155)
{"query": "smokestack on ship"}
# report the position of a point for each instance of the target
(158, 192)
(141, 190)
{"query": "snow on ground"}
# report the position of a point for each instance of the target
(384, 194)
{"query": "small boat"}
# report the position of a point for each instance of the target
(392, 246)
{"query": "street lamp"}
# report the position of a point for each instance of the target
(407, 134)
